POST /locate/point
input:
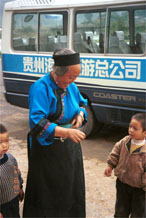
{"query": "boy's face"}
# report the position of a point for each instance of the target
(4, 143)
(135, 130)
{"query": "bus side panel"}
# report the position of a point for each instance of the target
(115, 97)
(114, 115)
(17, 99)
(114, 106)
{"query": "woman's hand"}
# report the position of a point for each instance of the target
(76, 135)
(77, 121)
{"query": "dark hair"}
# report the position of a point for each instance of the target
(3, 128)
(141, 117)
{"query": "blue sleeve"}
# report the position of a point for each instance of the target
(83, 104)
(40, 99)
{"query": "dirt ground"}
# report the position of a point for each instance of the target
(100, 190)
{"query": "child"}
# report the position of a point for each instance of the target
(11, 191)
(128, 158)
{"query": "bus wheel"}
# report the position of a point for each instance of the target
(92, 126)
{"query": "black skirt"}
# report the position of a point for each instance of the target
(55, 181)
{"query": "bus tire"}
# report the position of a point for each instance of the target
(92, 125)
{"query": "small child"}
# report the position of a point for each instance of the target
(128, 158)
(11, 191)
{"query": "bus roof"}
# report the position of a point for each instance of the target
(41, 4)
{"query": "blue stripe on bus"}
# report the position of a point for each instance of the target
(119, 69)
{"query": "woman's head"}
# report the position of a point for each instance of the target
(137, 126)
(66, 67)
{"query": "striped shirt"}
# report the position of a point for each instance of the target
(10, 179)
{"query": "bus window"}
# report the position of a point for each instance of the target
(89, 31)
(140, 30)
(24, 32)
(52, 32)
(119, 42)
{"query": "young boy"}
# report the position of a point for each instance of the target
(11, 191)
(128, 158)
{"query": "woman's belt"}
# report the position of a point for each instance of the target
(62, 139)
(65, 125)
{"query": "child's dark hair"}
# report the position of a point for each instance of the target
(3, 128)
(141, 117)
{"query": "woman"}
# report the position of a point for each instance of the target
(55, 182)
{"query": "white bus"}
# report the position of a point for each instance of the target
(110, 36)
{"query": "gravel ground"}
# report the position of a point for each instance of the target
(100, 190)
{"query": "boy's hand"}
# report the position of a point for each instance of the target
(1, 216)
(108, 171)
(21, 195)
